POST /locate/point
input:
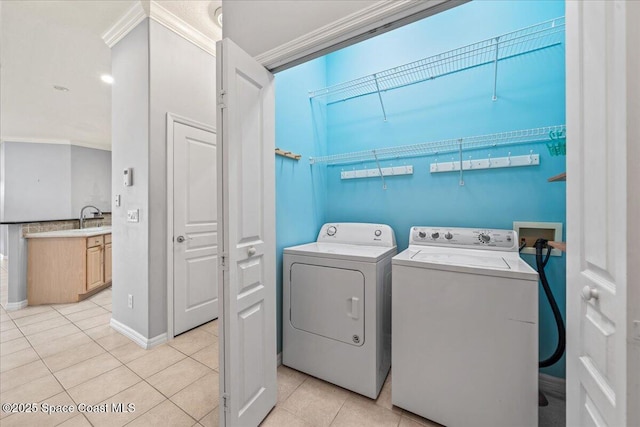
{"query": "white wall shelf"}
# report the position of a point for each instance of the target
(523, 136)
(488, 163)
(491, 51)
(375, 172)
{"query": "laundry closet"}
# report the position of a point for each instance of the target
(503, 120)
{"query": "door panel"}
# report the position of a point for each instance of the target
(596, 214)
(95, 273)
(246, 121)
(195, 232)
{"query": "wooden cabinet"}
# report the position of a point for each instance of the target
(67, 269)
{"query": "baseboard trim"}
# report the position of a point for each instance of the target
(13, 306)
(279, 359)
(137, 337)
(552, 385)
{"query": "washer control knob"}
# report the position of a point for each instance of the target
(331, 231)
(484, 237)
(422, 234)
(448, 236)
(435, 235)
(378, 233)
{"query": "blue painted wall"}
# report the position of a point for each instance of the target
(531, 93)
(300, 188)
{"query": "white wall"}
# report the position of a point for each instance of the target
(157, 72)
(90, 179)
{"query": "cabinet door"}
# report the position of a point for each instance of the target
(95, 272)
(107, 262)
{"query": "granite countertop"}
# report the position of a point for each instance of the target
(84, 232)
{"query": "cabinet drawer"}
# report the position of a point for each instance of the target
(107, 238)
(95, 241)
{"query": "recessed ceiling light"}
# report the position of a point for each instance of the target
(108, 79)
(61, 88)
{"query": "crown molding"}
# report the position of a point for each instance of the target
(54, 141)
(181, 28)
(154, 10)
(378, 15)
(124, 24)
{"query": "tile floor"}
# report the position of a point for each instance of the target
(68, 354)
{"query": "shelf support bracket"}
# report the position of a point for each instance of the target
(495, 72)
(384, 184)
(384, 113)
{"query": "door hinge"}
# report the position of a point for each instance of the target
(225, 402)
(220, 100)
(223, 261)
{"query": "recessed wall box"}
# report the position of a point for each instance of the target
(529, 232)
(128, 177)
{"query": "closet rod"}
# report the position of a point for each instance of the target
(523, 136)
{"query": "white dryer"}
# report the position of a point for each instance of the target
(465, 328)
(337, 306)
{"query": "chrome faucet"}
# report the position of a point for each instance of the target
(82, 214)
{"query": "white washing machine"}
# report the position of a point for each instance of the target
(337, 306)
(465, 328)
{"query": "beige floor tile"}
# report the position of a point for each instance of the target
(40, 418)
(29, 311)
(22, 375)
(165, 414)
(171, 380)
(36, 318)
(192, 341)
(142, 395)
(60, 344)
(19, 358)
(85, 314)
(45, 325)
(51, 335)
(212, 419)
(363, 412)
(102, 299)
(101, 331)
(72, 356)
(7, 325)
(33, 391)
(208, 356)
(211, 327)
(288, 380)
(12, 346)
(282, 418)
(77, 421)
(112, 341)
(155, 360)
(86, 370)
(92, 322)
(10, 335)
(316, 402)
(384, 398)
(128, 352)
(75, 307)
(199, 398)
(108, 307)
(409, 419)
(104, 386)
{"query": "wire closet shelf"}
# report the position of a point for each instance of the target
(523, 136)
(490, 51)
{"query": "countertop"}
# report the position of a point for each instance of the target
(84, 232)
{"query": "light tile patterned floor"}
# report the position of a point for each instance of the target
(68, 354)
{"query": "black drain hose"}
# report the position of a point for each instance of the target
(541, 264)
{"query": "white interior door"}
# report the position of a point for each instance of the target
(246, 123)
(195, 227)
(597, 194)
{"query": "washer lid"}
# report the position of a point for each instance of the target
(360, 253)
(473, 261)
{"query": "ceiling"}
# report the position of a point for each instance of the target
(59, 43)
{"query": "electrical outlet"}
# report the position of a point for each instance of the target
(130, 301)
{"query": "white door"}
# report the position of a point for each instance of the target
(597, 192)
(195, 227)
(246, 124)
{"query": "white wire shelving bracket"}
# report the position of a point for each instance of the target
(524, 136)
(490, 51)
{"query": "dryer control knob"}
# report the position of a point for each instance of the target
(435, 235)
(448, 236)
(378, 233)
(331, 230)
(422, 234)
(484, 237)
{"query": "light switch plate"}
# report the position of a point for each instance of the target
(117, 200)
(133, 215)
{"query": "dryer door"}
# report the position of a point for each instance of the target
(328, 301)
